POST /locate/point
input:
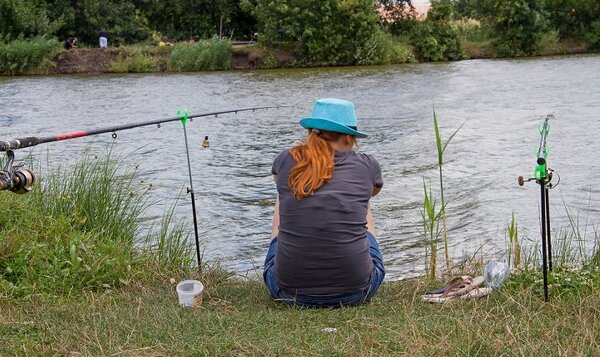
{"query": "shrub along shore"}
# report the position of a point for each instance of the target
(46, 56)
(74, 279)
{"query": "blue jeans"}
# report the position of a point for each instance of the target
(325, 300)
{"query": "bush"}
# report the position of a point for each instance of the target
(379, 49)
(520, 24)
(214, 54)
(594, 36)
(23, 56)
(135, 62)
(437, 38)
(549, 44)
(402, 53)
(427, 45)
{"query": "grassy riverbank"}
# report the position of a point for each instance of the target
(238, 318)
(73, 281)
(41, 56)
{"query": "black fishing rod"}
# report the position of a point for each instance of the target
(543, 176)
(24, 142)
(20, 180)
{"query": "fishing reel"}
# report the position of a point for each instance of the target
(16, 179)
(546, 180)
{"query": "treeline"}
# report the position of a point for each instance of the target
(518, 27)
(456, 29)
(127, 21)
(323, 32)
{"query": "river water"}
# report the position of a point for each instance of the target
(500, 102)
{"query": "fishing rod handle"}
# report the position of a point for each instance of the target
(19, 143)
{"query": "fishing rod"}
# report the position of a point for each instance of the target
(542, 174)
(20, 180)
(21, 143)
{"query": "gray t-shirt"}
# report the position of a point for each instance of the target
(322, 245)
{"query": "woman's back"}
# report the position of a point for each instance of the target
(322, 245)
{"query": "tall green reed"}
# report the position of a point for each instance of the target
(514, 245)
(431, 229)
(214, 54)
(441, 149)
(135, 61)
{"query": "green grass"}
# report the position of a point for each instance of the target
(73, 283)
(135, 60)
(431, 216)
(27, 56)
(214, 54)
(76, 232)
(240, 319)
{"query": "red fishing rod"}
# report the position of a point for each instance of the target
(20, 180)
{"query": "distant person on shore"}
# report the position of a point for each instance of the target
(71, 42)
(103, 38)
(323, 251)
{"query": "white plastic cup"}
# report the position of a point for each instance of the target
(190, 293)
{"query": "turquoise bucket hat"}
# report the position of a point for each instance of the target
(333, 114)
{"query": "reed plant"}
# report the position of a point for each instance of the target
(441, 149)
(77, 231)
(211, 55)
(514, 245)
(431, 229)
(27, 56)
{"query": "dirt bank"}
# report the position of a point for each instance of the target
(83, 60)
(98, 60)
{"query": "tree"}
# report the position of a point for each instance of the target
(185, 19)
(475, 9)
(24, 17)
(328, 32)
(399, 16)
(436, 38)
(573, 18)
(84, 18)
(520, 25)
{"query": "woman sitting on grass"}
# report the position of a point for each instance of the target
(323, 251)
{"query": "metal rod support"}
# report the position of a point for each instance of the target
(191, 191)
(549, 241)
(544, 244)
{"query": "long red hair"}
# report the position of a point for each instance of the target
(314, 162)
